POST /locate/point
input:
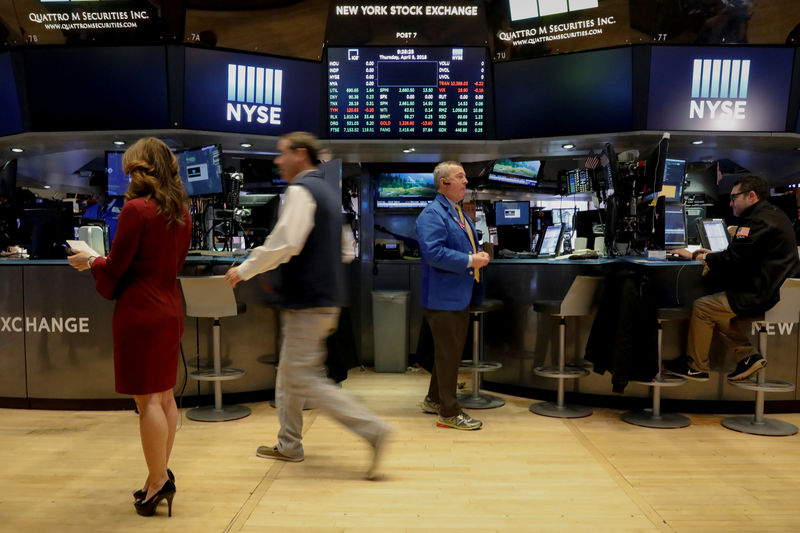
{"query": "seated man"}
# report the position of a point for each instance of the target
(750, 272)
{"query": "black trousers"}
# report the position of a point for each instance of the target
(449, 329)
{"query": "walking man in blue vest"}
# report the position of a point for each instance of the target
(307, 237)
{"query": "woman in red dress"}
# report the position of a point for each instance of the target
(140, 272)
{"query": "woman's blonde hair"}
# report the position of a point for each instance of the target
(153, 169)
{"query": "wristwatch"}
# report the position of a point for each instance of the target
(89, 261)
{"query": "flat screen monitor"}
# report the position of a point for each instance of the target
(674, 226)
(551, 241)
(118, 181)
(98, 88)
(512, 213)
(674, 176)
(403, 190)
(578, 181)
(651, 169)
(44, 226)
(247, 93)
(10, 112)
(532, 95)
(524, 173)
(200, 171)
(713, 234)
(701, 183)
(408, 92)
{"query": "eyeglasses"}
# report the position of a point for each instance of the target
(734, 195)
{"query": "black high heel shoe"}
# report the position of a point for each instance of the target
(148, 508)
(142, 494)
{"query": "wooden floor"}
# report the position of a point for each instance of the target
(72, 471)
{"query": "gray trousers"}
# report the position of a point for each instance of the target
(302, 377)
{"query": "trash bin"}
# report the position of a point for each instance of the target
(390, 328)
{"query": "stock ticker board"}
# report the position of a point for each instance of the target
(407, 92)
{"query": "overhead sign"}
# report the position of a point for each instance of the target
(106, 21)
(227, 91)
(719, 89)
(406, 22)
(530, 28)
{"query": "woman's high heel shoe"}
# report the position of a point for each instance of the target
(142, 494)
(148, 507)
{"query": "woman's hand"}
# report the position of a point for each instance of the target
(79, 260)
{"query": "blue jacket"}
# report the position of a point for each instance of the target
(447, 283)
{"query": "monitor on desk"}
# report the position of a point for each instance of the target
(674, 227)
(713, 234)
(551, 241)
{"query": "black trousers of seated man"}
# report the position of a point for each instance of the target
(449, 330)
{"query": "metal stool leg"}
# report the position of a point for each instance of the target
(476, 399)
(654, 418)
(758, 425)
(561, 409)
(217, 413)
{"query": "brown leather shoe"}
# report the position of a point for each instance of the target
(271, 452)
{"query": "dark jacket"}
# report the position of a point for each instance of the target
(761, 255)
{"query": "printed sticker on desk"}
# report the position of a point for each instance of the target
(742, 232)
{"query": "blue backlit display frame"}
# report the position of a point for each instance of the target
(250, 93)
(10, 113)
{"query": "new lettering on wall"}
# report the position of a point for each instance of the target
(408, 22)
(719, 88)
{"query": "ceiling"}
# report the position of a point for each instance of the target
(56, 158)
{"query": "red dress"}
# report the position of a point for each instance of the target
(141, 272)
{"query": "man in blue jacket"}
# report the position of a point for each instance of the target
(451, 279)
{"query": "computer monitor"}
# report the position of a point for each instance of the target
(672, 183)
(713, 234)
(578, 181)
(405, 190)
(44, 228)
(674, 226)
(523, 173)
(551, 241)
(701, 183)
(118, 181)
(201, 171)
(512, 213)
(514, 238)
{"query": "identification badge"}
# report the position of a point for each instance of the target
(742, 232)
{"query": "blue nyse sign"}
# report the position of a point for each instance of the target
(719, 89)
(245, 93)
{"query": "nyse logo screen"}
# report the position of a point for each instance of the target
(254, 94)
(719, 89)
(248, 93)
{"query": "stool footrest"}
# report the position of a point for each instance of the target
(482, 366)
(567, 373)
(225, 374)
(665, 381)
(771, 385)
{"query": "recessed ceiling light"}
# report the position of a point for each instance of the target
(697, 142)
(798, 148)
(246, 145)
(568, 146)
(17, 150)
(46, 186)
(119, 143)
(409, 150)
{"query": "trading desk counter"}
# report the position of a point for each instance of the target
(57, 350)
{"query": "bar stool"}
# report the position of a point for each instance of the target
(577, 302)
(654, 418)
(476, 399)
(786, 311)
(212, 297)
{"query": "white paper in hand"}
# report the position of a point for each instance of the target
(80, 246)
